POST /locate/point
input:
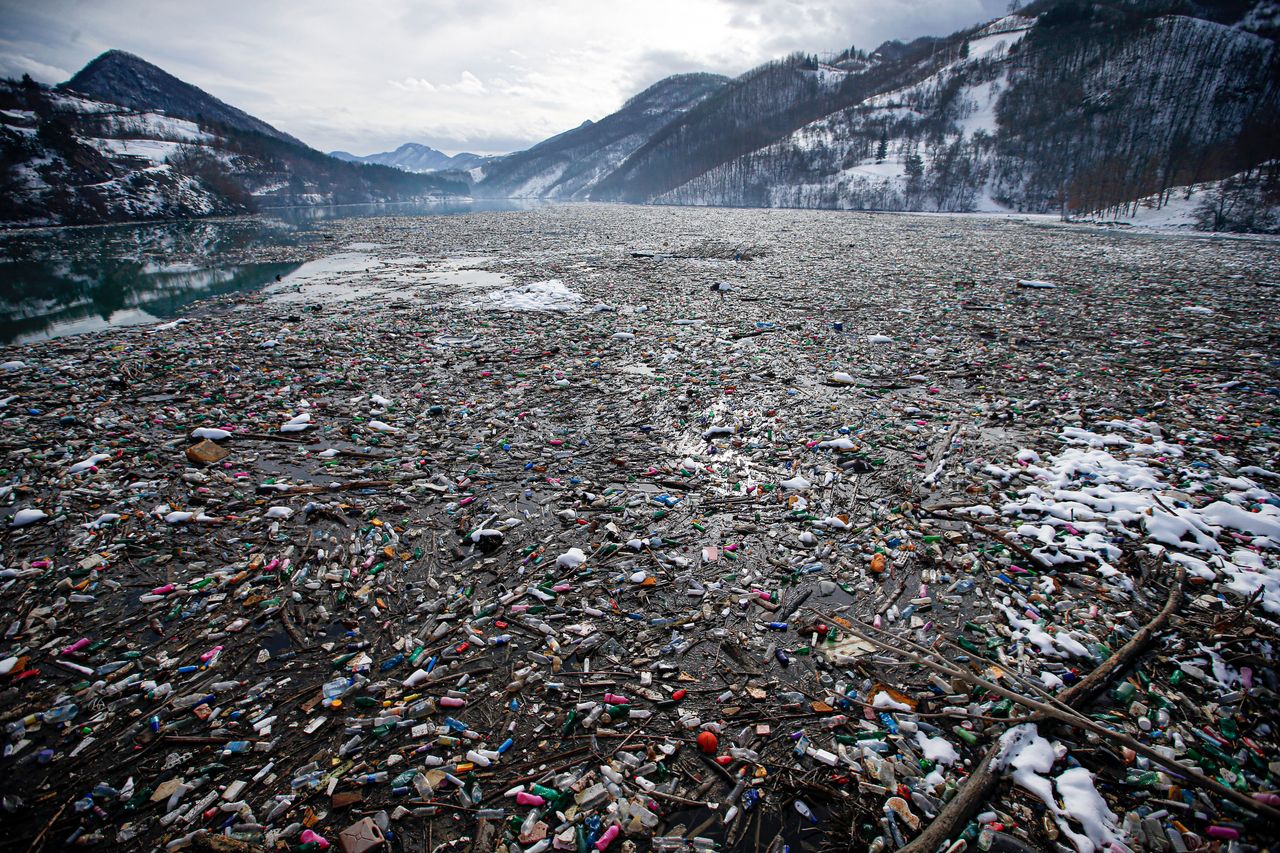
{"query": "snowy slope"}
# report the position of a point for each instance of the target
(1029, 114)
(112, 165)
(1248, 201)
(117, 77)
(571, 164)
(73, 159)
(844, 165)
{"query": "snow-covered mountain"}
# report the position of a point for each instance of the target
(412, 157)
(571, 164)
(1077, 106)
(118, 77)
(1071, 105)
(1031, 114)
(149, 146)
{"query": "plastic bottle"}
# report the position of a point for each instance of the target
(60, 714)
(337, 688)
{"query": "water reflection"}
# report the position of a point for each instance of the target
(87, 294)
(67, 281)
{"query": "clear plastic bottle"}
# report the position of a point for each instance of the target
(337, 688)
(60, 714)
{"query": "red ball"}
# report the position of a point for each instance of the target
(708, 742)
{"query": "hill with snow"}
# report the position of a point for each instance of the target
(1068, 106)
(118, 77)
(1248, 201)
(149, 146)
(571, 164)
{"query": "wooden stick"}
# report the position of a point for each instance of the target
(338, 487)
(1078, 721)
(996, 535)
(677, 799)
(268, 436)
(483, 840)
(38, 842)
(1089, 686)
(291, 629)
(983, 781)
(940, 456)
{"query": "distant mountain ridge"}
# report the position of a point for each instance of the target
(413, 157)
(572, 163)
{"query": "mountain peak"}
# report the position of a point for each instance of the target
(414, 157)
(123, 78)
(112, 57)
(417, 146)
(672, 91)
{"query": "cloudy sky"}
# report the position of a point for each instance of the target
(487, 76)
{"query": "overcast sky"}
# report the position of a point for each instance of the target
(487, 76)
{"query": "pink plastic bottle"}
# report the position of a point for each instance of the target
(308, 837)
(607, 838)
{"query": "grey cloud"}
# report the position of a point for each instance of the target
(817, 28)
(653, 65)
(455, 74)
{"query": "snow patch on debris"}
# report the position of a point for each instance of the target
(937, 749)
(884, 702)
(550, 295)
(1030, 758)
(1115, 484)
(1060, 645)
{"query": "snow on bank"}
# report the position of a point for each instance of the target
(1029, 758)
(1179, 209)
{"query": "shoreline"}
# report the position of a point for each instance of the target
(312, 239)
(1011, 215)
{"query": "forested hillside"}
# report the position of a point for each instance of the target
(1067, 106)
(1079, 108)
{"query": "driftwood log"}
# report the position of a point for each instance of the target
(983, 781)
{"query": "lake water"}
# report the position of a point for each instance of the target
(67, 281)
